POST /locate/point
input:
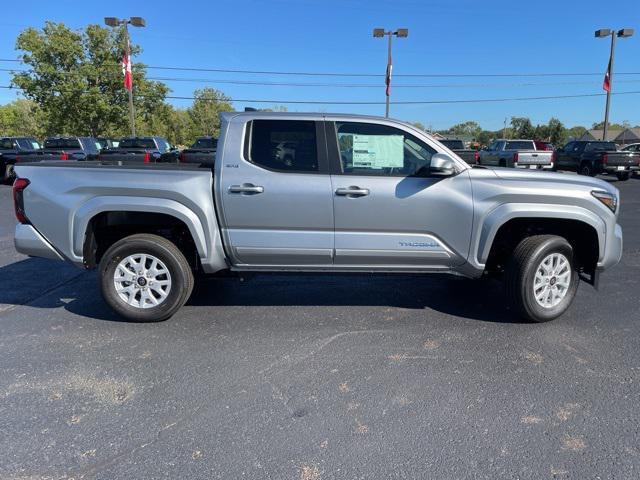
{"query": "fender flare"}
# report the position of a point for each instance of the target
(499, 216)
(83, 215)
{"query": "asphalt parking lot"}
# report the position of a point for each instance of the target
(313, 378)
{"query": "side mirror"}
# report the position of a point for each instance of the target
(442, 165)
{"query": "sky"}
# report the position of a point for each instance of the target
(463, 39)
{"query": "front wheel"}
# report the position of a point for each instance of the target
(145, 278)
(623, 176)
(541, 278)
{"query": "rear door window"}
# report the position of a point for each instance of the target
(7, 144)
(142, 143)
(283, 145)
(519, 145)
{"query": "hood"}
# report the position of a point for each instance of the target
(552, 177)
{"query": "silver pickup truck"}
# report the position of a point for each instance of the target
(516, 153)
(352, 194)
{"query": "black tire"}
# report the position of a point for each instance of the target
(586, 169)
(180, 274)
(521, 272)
(623, 176)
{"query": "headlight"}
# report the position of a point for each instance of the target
(609, 199)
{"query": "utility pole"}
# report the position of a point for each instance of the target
(136, 22)
(608, 79)
(504, 129)
(379, 33)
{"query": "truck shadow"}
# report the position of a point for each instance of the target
(470, 299)
(46, 284)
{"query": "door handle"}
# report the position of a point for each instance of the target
(246, 188)
(353, 192)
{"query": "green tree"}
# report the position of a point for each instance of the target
(75, 78)
(470, 129)
(612, 126)
(206, 108)
(522, 127)
(21, 117)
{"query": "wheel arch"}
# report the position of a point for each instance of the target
(137, 214)
(513, 222)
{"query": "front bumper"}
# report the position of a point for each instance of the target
(613, 249)
(29, 242)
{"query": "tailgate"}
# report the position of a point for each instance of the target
(619, 159)
(534, 157)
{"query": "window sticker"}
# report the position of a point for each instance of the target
(378, 151)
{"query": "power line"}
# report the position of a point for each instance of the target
(377, 75)
(343, 85)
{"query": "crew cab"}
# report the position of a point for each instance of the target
(516, 153)
(469, 155)
(359, 194)
(141, 150)
(202, 152)
(592, 157)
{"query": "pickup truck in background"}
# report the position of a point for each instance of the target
(593, 157)
(202, 152)
(516, 153)
(107, 143)
(469, 155)
(541, 145)
(141, 150)
(72, 148)
(356, 194)
(22, 149)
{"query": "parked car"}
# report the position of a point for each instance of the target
(516, 153)
(202, 152)
(22, 149)
(141, 150)
(107, 143)
(634, 147)
(399, 203)
(469, 155)
(545, 146)
(593, 157)
(72, 148)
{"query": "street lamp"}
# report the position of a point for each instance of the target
(136, 22)
(379, 33)
(602, 33)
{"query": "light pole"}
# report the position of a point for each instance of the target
(379, 33)
(136, 22)
(602, 33)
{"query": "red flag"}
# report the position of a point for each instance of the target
(606, 84)
(387, 79)
(126, 71)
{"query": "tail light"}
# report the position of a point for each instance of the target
(515, 159)
(17, 158)
(476, 156)
(605, 158)
(64, 156)
(181, 157)
(147, 157)
(18, 200)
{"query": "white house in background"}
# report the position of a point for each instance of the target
(628, 136)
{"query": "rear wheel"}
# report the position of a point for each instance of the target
(586, 169)
(623, 176)
(145, 278)
(541, 280)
